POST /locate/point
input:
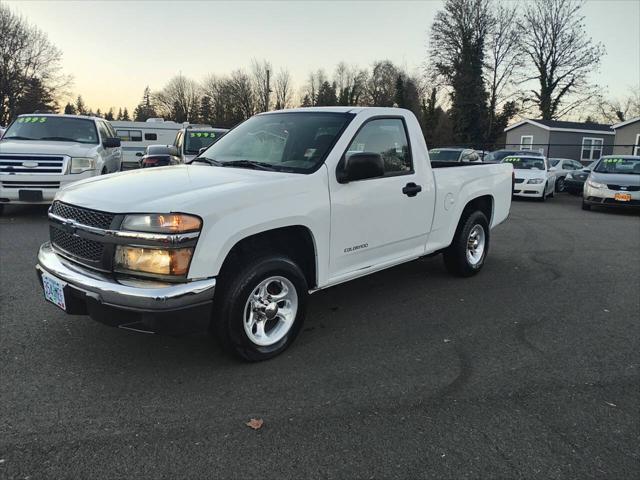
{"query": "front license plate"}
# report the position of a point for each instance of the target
(623, 197)
(30, 195)
(54, 290)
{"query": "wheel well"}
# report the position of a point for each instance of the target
(294, 241)
(483, 204)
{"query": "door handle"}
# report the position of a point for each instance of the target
(411, 189)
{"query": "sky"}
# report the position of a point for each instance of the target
(113, 49)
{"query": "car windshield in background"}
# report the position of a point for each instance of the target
(525, 163)
(554, 162)
(195, 140)
(618, 165)
(291, 142)
(444, 155)
(499, 155)
(55, 129)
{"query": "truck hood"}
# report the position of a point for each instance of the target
(167, 189)
(627, 180)
(43, 147)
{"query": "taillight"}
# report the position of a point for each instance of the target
(150, 161)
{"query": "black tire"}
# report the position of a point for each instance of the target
(560, 185)
(455, 256)
(544, 194)
(585, 206)
(236, 285)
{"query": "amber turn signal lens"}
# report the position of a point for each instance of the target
(162, 223)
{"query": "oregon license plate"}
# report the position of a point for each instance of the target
(623, 197)
(54, 290)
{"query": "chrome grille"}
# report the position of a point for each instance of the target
(76, 246)
(624, 188)
(16, 164)
(85, 216)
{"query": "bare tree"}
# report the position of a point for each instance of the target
(382, 84)
(351, 84)
(179, 99)
(616, 110)
(283, 89)
(311, 90)
(562, 54)
(261, 72)
(242, 94)
(503, 60)
(27, 59)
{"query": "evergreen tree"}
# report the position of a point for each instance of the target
(206, 110)
(81, 108)
(145, 109)
(109, 115)
(399, 97)
(457, 50)
(69, 109)
(119, 116)
(98, 113)
(306, 101)
(125, 115)
(327, 95)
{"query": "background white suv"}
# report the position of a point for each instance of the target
(41, 153)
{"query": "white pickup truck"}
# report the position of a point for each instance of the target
(40, 153)
(285, 204)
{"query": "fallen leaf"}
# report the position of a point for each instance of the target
(610, 404)
(255, 423)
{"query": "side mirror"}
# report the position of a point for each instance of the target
(202, 150)
(111, 142)
(173, 150)
(360, 166)
(139, 154)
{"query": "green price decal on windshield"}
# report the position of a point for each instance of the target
(613, 160)
(32, 119)
(202, 135)
(511, 160)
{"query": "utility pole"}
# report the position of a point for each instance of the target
(267, 92)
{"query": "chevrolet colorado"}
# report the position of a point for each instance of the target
(285, 204)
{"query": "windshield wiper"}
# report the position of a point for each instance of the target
(17, 137)
(207, 160)
(249, 164)
(61, 139)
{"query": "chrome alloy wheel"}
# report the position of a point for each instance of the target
(475, 245)
(270, 311)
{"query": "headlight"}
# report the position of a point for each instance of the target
(162, 223)
(596, 184)
(173, 262)
(79, 164)
(535, 180)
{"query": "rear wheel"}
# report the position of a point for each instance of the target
(466, 254)
(560, 185)
(260, 308)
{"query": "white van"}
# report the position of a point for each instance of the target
(136, 136)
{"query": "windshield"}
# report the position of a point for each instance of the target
(195, 140)
(498, 155)
(525, 163)
(442, 155)
(619, 165)
(554, 162)
(56, 129)
(294, 142)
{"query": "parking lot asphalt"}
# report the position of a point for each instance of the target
(528, 370)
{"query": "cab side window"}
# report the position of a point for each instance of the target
(104, 132)
(386, 137)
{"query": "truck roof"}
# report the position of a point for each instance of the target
(86, 117)
(347, 109)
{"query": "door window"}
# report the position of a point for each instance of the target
(102, 128)
(388, 138)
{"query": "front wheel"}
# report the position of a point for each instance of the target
(260, 309)
(560, 185)
(466, 254)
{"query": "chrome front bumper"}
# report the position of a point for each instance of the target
(128, 294)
